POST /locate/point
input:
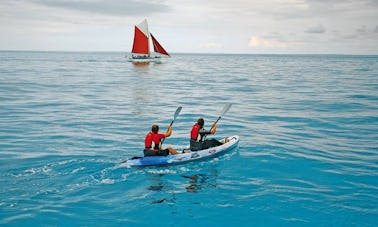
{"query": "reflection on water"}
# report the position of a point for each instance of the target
(141, 63)
(198, 182)
(162, 188)
(193, 183)
(159, 201)
(155, 187)
(141, 68)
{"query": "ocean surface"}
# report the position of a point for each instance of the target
(308, 153)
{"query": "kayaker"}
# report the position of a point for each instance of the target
(198, 134)
(153, 141)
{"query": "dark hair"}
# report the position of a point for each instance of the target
(200, 122)
(155, 128)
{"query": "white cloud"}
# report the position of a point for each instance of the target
(257, 42)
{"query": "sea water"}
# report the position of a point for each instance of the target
(308, 153)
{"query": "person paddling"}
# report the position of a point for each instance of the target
(153, 142)
(198, 134)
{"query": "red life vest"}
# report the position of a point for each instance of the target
(153, 140)
(194, 133)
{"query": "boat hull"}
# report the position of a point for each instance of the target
(185, 157)
(145, 60)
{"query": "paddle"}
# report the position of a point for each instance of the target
(178, 110)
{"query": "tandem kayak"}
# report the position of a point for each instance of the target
(184, 157)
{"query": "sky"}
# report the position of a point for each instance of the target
(193, 26)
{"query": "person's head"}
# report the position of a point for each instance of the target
(155, 128)
(201, 122)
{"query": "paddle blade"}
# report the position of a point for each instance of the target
(226, 108)
(174, 118)
(177, 112)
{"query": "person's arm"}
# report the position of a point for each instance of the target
(204, 132)
(169, 131)
(213, 129)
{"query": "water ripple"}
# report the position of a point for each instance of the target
(308, 153)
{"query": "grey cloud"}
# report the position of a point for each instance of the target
(109, 7)
(358, 33)
(361, 30)
(320, 8)
(272, 35)
(367, 31)
(319, 29)
(350, 36)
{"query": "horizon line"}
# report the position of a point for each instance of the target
(208, 53)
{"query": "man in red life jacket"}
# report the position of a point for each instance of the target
(198, 134)
(152, 142)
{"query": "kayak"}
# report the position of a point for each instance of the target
(184, 157)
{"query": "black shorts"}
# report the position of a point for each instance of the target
(196, 146)
(149, 152)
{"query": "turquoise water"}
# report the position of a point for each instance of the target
(308, 154)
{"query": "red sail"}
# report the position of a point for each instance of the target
(157, 47)
(140, 45)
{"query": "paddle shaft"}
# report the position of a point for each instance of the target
(225, 109)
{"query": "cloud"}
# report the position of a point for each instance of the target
(109, 7)
(256, 41)
(362, 30)
(284, 26)
(318, 29)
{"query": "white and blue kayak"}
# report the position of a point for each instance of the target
(184, 157)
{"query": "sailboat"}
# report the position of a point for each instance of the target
(141, 46)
